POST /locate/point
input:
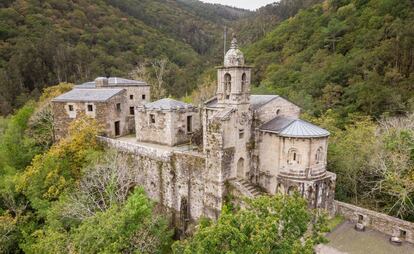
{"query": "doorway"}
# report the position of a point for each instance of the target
(240, 168)
(117, 128)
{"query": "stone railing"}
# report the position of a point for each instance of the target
(303, 174)
(154, 153)
(386, 224)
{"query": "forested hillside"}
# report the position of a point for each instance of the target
(350, 56)
(43, 43)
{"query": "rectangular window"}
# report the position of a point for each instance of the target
(90, 107)
(189, 123)
(131, 97)
(143, 96)
(152, 118)
(71, 108)
(131, 111)
(118, 107)
(241, 134)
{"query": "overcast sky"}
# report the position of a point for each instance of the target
(245, 4)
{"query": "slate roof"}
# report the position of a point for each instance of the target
(167, 103)
(97, 95)
(113, 81)
(257, 101)
(294, 128)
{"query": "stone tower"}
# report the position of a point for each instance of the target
(227, 128)
(233, 78)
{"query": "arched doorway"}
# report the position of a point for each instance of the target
(240, 168)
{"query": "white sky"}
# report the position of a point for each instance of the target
(245, 4)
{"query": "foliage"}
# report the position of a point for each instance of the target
(52, 172)
(44, 43)
(349, 56)
(16, 149)
(123, 228)
(278, 224)
(393, 165)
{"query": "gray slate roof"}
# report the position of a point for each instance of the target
(167, 104)
(257, 101)
(97, 95)
(294, 128)
(114, 81)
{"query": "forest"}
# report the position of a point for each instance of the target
(347, 63)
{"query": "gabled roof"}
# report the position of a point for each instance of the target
(167, 104)
(86, 95)
(294, 128)
(257, 101)
(113, 81)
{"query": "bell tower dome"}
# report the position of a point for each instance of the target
(233, 78)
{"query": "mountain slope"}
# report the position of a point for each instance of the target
(46, 42)
(352, 56)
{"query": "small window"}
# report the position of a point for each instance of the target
(293, 156)
(241, 134)
(71, 108)
(360, 218)
(118, 107)
(143, 96)
(278, 112)
(152, 118)
(189, 123)
(90, 107)
(403, 234)
(131, 96)
(131, 111)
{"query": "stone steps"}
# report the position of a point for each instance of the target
(253, 190)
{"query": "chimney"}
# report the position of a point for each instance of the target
(101, 82)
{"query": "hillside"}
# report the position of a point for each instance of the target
(350, 56)
(43, 43)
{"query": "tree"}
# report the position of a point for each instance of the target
(393, 165)
(60, 167)
(278, 224)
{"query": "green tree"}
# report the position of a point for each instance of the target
(278, 224)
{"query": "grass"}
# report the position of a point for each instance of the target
(334, 222)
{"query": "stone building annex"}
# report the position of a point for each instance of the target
(251, 144)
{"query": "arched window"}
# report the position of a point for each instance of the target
(293, 156)
(227, 85)
(244, 83)
(240, 169)
(319, 155)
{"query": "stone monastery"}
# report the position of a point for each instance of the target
(255, 142)
(251, 144)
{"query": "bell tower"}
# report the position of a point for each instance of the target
(233, 78)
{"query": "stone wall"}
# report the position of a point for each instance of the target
(276, 107)
(104, 112)
(169, 128)
(176, 179)
(381, 222)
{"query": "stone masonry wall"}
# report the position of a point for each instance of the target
(381, 222)
(169, 177)
(104, 112)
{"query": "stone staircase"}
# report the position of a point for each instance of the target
(246, 188)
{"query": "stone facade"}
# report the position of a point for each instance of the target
(163, 123)
(107, 113)
(111, 101)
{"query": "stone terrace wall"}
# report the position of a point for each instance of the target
(381, 222)
(174, 179)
